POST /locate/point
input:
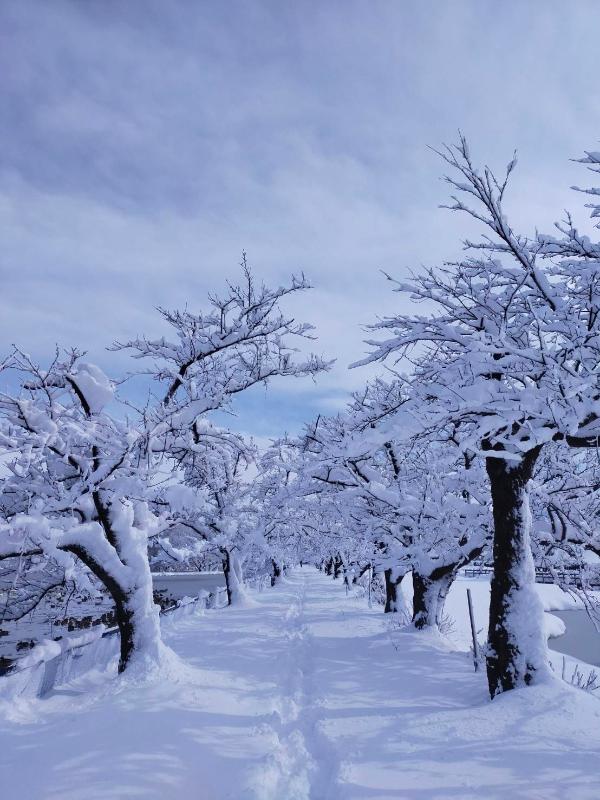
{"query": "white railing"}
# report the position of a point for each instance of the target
(38, 673)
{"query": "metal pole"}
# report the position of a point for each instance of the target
(473, 631)
(370, 581)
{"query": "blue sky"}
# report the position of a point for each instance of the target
(146, 144)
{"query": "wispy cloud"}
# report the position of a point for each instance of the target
(146, 144)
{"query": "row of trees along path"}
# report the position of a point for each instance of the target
(477, 441)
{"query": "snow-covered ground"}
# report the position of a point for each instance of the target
(303, 694)
(583, 641)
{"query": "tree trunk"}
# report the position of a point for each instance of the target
(232, 571)
(137, 615)
(517, 647)
(275, 573)
(329, 566)
(337, 566)
(126, 626)
(226, 563)
(393, 578)
(138, 621)
(429, 595)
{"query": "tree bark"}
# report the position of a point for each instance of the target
(137, 615)
(232, 571)
(393, 578)
(517, 648)
(139, 627)
(275, 573)
(126, 631)
(429, 595)
(337, 566)
(226, 564)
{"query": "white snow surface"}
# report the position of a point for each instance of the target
(307, 694)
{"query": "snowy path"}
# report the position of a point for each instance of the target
(304, 695)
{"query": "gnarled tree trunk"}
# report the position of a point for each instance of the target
(232, 570)
(275, 572)
(517, 648)
(139, 627)
(337, 566)
(393, 601)
(429, 595)
(137, 615)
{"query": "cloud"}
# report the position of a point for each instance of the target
(146, 145)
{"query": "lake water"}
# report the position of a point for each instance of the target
(581, 639)
(187, 584)
(41, 623)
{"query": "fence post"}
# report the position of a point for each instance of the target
(473, 631)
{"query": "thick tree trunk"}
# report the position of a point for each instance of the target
(126, 628)
(517, 648)
(337, 566)
(232, 571)
(429, 596)
(139, 628)
(329, 566)
(275, 572)
(137, 615)
(393, 603)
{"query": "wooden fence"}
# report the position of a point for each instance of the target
(78, 654)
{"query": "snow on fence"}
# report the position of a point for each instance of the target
(53, 663)
(566, 577)
(476, 572)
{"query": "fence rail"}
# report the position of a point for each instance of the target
(79, 654)
(475, 572)
(561, 577)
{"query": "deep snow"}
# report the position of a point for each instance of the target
(306, 694)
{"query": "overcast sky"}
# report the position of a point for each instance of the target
(146, 144)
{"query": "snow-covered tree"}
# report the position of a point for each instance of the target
(83, 483)
(77, 490)
(506, 359)
(415, 503)
(241, 340)
(214, 504)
